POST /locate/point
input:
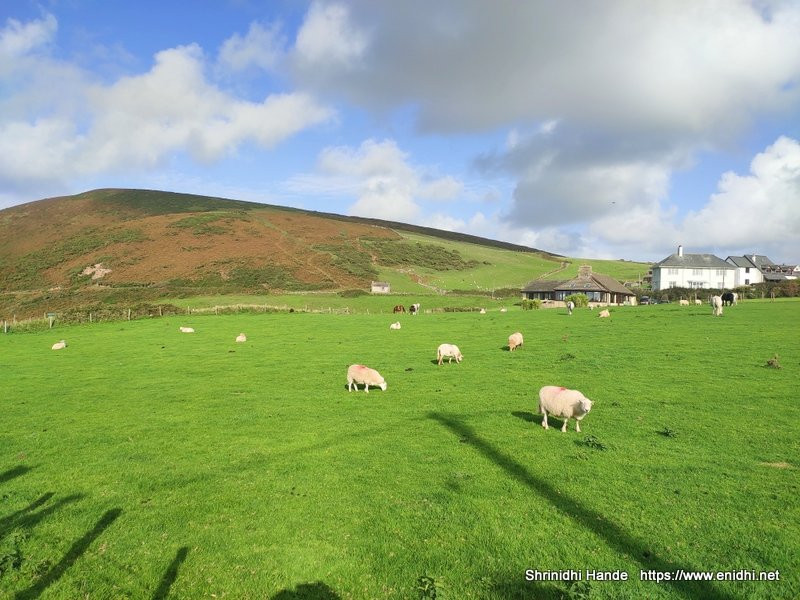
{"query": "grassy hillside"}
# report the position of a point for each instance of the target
(112, 246)
(144, 463)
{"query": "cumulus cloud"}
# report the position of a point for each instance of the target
(762, 207)
(381, 177)
(17, 38)
(328, 38)
(51, 132)
(629, 65)
(261, 48)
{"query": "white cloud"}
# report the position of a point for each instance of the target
(18, 39)
(136, 122)
(261, 48)
(328, 37)
(759, 209)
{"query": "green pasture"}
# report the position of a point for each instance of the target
(140, 462)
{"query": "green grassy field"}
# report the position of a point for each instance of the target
(144, 463)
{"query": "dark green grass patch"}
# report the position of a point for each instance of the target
(141, 462)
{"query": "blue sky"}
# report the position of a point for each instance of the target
(595, 129)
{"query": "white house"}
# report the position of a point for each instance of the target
(757, 268)
(698, 271)
(380, 287)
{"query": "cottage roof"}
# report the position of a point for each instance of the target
(741, 261)
(694, 261)
(586, 281)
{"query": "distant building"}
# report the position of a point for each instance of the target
(598, 288)
(381, 287)
(696, 271)
(757, 268)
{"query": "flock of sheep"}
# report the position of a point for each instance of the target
(554, 400)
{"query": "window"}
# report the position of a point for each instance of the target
(672, 271)
(747, 282)
(747, 269)
(700, 272)
(673, 284)
(720, 272)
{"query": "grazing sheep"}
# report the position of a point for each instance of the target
(395, 325)
(450, 351)
(604, 314)
(483, 311)
(683, 302)
(503, 310)
(514, 341)
(60, 345)
(563, 403)
(716, 305)
(570, 307)
(241, 338)
(186, 330)
(698, 301)
(360, 374)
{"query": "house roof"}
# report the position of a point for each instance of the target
(741, 261)
(586, 281)
(694, 261)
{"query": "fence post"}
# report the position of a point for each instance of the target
(129, 314)
(5, 326)
(90, 317)
(159, 311)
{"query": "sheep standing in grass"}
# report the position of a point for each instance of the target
(187, 330)
(514, 341)
(395, 325)
(450, 352)
(241, 338)
(604, 314)
(360, 374)
(683, 302)
(570, 307)
(563, 403)
(716, 305)
(60, 345)
(698, 301)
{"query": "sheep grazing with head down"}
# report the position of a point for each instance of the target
(563, 403)
(60, 345)
(449, 351)
(514, 341)
(697, 301)
(357, 374)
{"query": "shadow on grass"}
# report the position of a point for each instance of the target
(308, 591)
(526, 416)
(12, 473)
(171, 574)
(514, 587)
(74, 553)
(616, 537)
(24, 518)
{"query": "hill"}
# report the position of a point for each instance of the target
(112, 245)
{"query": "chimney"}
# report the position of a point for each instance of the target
(680, 250)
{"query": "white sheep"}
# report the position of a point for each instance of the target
(570, 306)
(716, 305)
(483, 311)
(60, 345)
(697, 301)
(186, 330)
(604, 314)
(504, 310)
(514, 341)
(735, 299)
(449, 351)
(360, 374)
(395, 325)
(682, 302)
(563, 403)
(241, 338)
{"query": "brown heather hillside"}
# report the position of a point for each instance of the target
(150, 244)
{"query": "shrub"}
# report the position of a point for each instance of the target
(534, 304)
(580, 300)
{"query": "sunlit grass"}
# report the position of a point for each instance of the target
(140, 461)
